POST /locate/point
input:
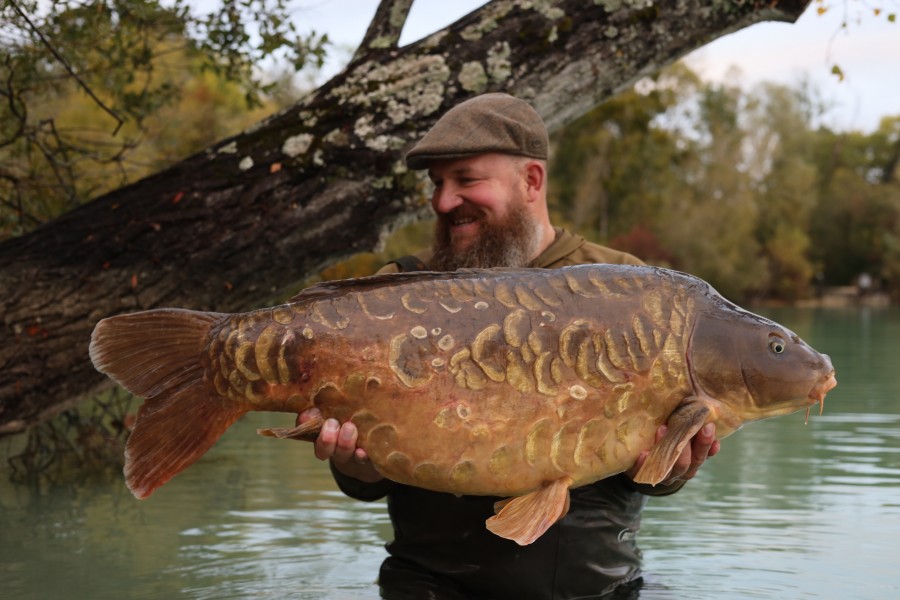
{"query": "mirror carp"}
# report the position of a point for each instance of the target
(519, 383)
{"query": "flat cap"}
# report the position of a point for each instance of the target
(486, 123)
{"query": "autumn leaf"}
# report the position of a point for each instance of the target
(836, 70)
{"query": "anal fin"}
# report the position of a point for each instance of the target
(525, 518)
(683, 424)
(307, 432)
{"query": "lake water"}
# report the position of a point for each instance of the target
(786, 510)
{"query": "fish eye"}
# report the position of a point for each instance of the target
(776, 344)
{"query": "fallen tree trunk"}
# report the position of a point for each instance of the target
(232, 227)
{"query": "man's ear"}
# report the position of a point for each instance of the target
(535, 179)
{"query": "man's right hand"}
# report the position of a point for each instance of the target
(337, 443)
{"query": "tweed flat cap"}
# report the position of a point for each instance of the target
(485, 123)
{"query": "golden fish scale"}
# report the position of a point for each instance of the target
(479, 385)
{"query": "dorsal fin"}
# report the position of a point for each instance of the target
(339, 287)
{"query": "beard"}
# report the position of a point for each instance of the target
(511, 243)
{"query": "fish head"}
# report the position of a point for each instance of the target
(754, 366)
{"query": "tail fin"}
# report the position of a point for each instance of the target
(156, 354)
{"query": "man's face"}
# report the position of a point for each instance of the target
(482, 213)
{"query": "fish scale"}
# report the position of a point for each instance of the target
(512, 383)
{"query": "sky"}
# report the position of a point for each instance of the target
(867, 50)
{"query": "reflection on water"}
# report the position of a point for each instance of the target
(256, 518)
(786, 510)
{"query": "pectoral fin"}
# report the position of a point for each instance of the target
(525, 518)
(683, 424)
(307, 432)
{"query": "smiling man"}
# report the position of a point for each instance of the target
(487, 159)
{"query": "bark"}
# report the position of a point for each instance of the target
(232, 227)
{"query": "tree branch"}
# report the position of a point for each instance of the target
(14, 106)
(385, 29)
(68, 67)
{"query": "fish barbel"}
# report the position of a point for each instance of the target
(519, 383)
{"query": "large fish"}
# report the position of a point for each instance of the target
(520, 383)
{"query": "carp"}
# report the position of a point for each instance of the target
(518, 383)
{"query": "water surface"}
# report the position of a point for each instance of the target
(786, 510)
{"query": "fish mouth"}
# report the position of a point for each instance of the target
(818, 392)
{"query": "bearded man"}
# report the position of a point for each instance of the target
(487, 159)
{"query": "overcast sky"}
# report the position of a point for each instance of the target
(868, 50)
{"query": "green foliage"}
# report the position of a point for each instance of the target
(738, 187)
(611, 168)
(234, 49)
(95, 94)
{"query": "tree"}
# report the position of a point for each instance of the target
(785, 178)
(85, 83)
(236, 225)
(857, 222)
(611, 169)
(740, 187)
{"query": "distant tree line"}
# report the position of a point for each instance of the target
(745, 188)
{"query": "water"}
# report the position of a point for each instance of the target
(786, 510)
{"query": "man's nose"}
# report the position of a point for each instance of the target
(445, 199)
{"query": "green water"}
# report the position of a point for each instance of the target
(786, 510)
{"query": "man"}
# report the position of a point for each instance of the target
(487, 158)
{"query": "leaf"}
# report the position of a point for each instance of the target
(836, 70)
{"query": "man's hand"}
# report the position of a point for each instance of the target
(337, 443)
(703, 445)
